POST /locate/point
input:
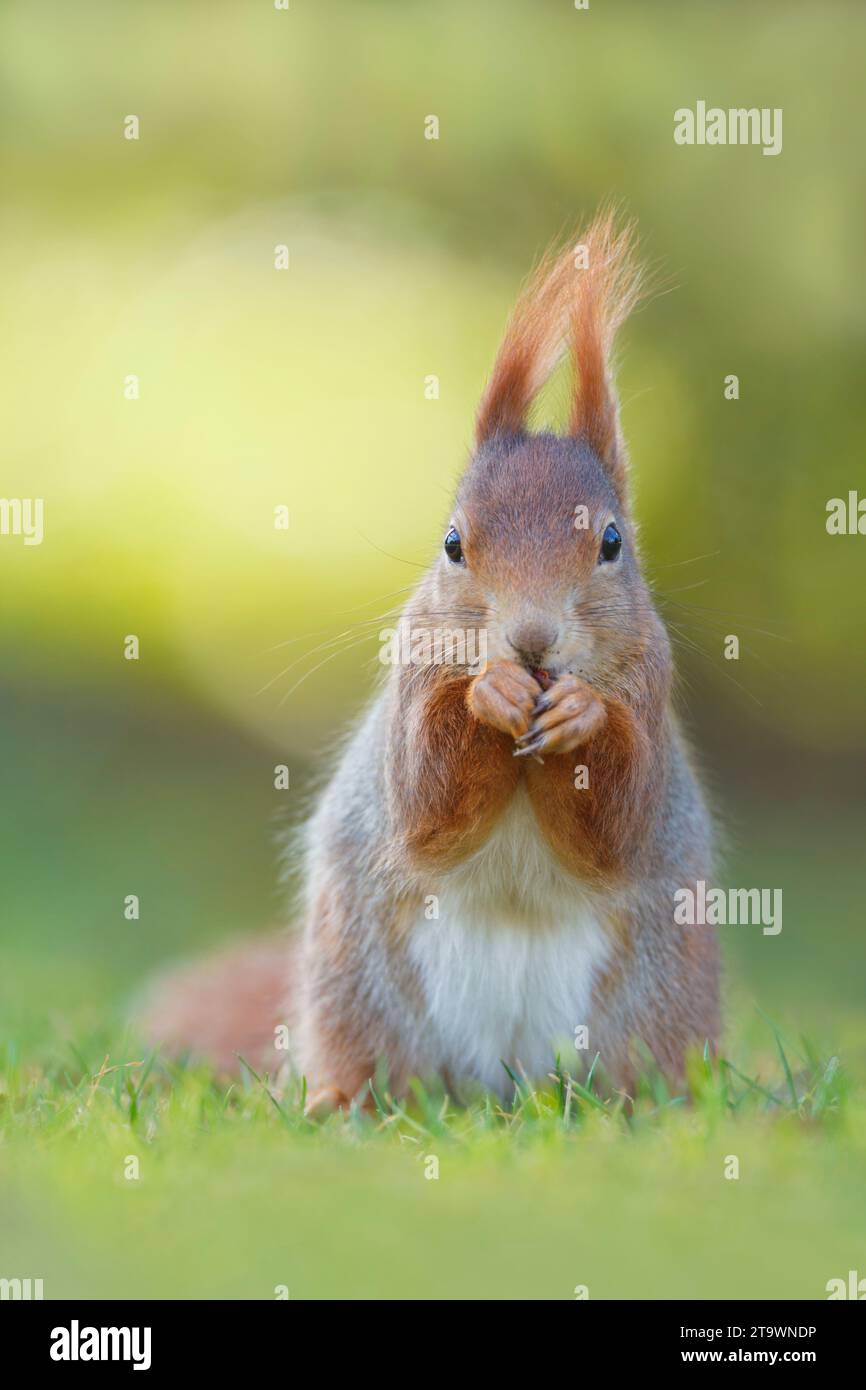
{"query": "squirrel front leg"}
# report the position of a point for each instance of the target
(602, 761)
(565, 717)
(453, 770)
(449, 773)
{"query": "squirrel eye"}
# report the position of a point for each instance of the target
(611, 544)
(453, 548)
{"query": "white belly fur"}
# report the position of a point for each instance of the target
(507, 968)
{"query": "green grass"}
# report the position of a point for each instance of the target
(158, 779)
(238, 1193)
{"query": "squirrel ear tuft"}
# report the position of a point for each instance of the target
(576, 298)
(536, 339)
(608, 288)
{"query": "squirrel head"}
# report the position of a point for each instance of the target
(540, 548)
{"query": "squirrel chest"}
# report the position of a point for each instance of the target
(506, 970)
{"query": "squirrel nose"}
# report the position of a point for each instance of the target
(531, 640)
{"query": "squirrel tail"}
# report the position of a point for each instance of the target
(226, 1007)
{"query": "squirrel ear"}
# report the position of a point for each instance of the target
(576, 297)
(536, 339)
(609, 284)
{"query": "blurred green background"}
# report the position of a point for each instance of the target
(305, 388)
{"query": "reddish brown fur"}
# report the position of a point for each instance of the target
(460, 773)
(564, 305)
(600, 833)
(443, 752)
(228, 1006)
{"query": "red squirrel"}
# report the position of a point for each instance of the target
(491, 869)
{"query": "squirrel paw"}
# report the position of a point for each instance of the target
(565, 716)
(504, 697)
(324, 1102)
